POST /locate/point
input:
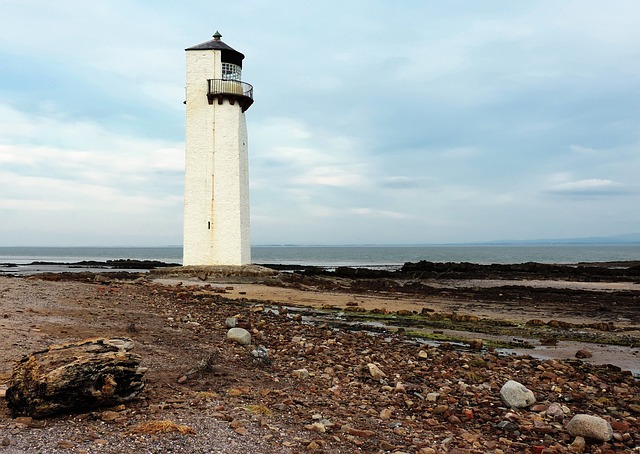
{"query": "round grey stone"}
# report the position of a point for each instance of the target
(239, 335)
(588, 426)
(516, 395)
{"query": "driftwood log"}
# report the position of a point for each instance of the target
(74, 377)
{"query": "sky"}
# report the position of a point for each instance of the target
(374, 122)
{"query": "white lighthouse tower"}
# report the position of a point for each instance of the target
(216, 202)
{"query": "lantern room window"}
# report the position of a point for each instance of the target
(231, 72)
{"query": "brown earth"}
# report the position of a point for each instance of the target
(206, 394)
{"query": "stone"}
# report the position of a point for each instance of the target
(578, 445)
(476, 344)
(109, 416)
(239, 335)
(316, 427)
(507, 425)
(362, 433)
(65, 444)
(231, 322)
(516, 395)
(75, 376)
(588, 426)
(261, 354)
(301, 374)
(26, 420)
(375, 371)
(555, 411)
(433, 397)
(582, 354)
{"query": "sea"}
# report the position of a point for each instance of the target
(375, 257)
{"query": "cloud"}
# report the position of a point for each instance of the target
(88, 173)
(593, 187)
(379, 213)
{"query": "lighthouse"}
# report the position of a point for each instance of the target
(216, 200)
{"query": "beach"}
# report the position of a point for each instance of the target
(315, 390)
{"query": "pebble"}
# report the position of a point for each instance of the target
(362, 433)
(578, 445)
(516, 395)
(261, 353)
(589, 426)
(507, 425)
(301, 374)
(109, 416)
(65, 444)
(433, 397)
(555, 412)
(26, 420)
(582, 354)
(375, 371)
(239, 335)
(231, 322)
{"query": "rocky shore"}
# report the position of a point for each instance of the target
(295, 385)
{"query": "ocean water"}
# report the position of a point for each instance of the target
(331, 256)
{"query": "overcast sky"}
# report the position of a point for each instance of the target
(388, 122)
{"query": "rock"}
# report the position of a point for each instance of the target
(316, 427)
(231, 322)
(433, 397)
(427, 451)
(109, 416)
(375, 371)
(582, 354)
(239, 335)
(386, 446)
(588, 426)
(555, 412)
(301, 374)
(476, 344)
(314, 446)
(75, 376)
(507, 425)
(578, 445)
(26, 420)
(261, 354)
(362, 433)
(241, 431)
(516, 395)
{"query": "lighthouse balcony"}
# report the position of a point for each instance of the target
(233, 90)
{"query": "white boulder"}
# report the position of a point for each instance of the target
(516, 395)
(239, 335)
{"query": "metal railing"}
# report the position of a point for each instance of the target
(231, 87)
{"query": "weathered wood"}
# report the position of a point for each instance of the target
(75, 376)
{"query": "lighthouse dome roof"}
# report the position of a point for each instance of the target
(229, 54)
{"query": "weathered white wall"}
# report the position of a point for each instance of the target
(216, 212)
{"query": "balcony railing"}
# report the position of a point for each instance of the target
(233, 90)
